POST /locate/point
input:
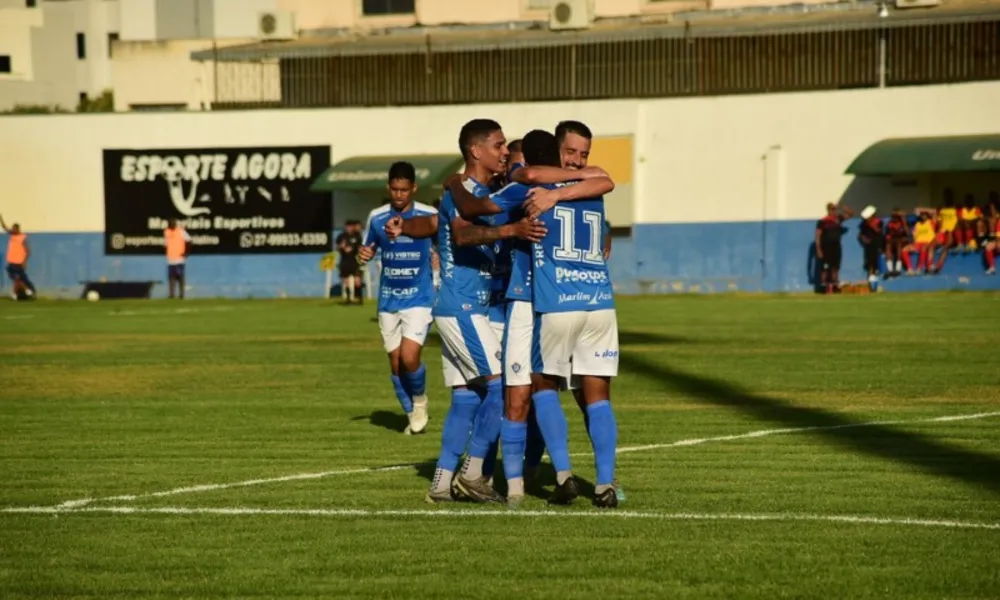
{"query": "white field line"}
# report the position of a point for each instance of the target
(18, 317)
(460, 513)
(211, 487)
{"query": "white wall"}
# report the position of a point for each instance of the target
(138, 20)
(238, 18)
(696, 159)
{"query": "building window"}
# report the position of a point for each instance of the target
(112, 38)
(30, 3)
(81, 46)
(378, 8)
(4, 63)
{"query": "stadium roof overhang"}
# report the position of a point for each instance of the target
(951, 154)
(367, 174)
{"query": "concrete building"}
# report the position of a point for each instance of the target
(53, 53)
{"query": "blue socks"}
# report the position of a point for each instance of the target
(404, 398)
(416, 382)
(457, 427)
(604, 437)
(514, 436)
(490, 462)
(535, 447)
(487, 421)
(555, 430)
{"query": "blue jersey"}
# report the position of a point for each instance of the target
(466, 271)
(569, 269)
(406, 279)
(518, 252)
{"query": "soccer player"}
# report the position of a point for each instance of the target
(470, 349)
(348, 244)
(829, 230)
(178, 244)
(519, 317)
(406, 293)
(576, 327)
(17, 260)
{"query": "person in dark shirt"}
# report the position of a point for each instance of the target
(897, 236)
(829, 230)
(348, 244)
(872, 238)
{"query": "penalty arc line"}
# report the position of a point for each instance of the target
(624, 450)
(439, 514)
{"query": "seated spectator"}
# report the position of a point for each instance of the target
(872, 240)
(922, 245)
(968, 224)
(991, 247)
(992, 210)
(947, 219)
(896, 238)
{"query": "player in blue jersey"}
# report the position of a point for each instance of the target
(517, 342)
(470, 346)
(406, 293)
(576, 327)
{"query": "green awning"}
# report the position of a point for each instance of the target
(367, 174)
(929, 155)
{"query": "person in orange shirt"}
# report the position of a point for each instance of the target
(923, 244)
(17, 260)
(968, 223)
(178, 244)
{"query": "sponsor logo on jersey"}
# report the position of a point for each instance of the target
(564, 275)
(401, 272)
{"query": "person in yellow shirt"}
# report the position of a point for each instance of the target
(923, 244)
(17, 260)
(178, 244)
(947, 219)
(968, 223)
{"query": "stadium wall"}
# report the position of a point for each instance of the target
(725, 191)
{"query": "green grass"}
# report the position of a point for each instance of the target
(110, 399)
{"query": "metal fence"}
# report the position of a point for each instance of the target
(684, 65)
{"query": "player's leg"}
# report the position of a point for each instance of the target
(390, 326)
(498, 318)
(553, 340)
(483, 348)
(171, 280)
(517, 380)
(990, 252)
(180, 281)
(461, 415)
(595, 360)
(415, 324)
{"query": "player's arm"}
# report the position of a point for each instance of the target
(415, 227)
(542, 200)
(540, 175)
(470, 206)
(4, 225)
(367, 250)
(819, 245)
(467, 234)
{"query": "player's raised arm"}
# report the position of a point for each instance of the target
(4, 225)
(416, 227)
(542, 200)
(467, 234)
(468, 205)
(541, 174)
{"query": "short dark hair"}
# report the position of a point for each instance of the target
(514, 146)
(403, 170)
(572, 127)
(474, 132)
(541, 148)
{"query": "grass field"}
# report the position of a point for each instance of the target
(771, 447)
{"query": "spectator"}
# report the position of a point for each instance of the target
(968, 223)
(993, 210)
(947, 219)
(348, 244)
(872, 240)
(991, 247)
(923, 245)
(896, 238)
(829, 231)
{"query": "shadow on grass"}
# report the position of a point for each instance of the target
(881, 441)
(386, 419)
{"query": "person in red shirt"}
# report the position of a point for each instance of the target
(897, 236)
(829, 230)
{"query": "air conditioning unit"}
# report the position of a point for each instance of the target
(917, 3)
(276, 25)
(571, 14)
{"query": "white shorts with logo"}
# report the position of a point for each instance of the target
(470, 349)
(517, 343)
(574, 344)
(411, 323)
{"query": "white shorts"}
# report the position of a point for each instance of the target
(576, 344)
(411, 323)
(470, 349)
(517, 343)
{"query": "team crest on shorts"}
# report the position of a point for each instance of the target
(499, 355)
(516, 367)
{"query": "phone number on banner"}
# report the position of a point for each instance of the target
(282, 240)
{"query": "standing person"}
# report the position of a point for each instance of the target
(178, 244)
(348, 244)
(17, 260)
(896, 237)
(829, 231)
(470, 348)
(406, 293)
(872, 240)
